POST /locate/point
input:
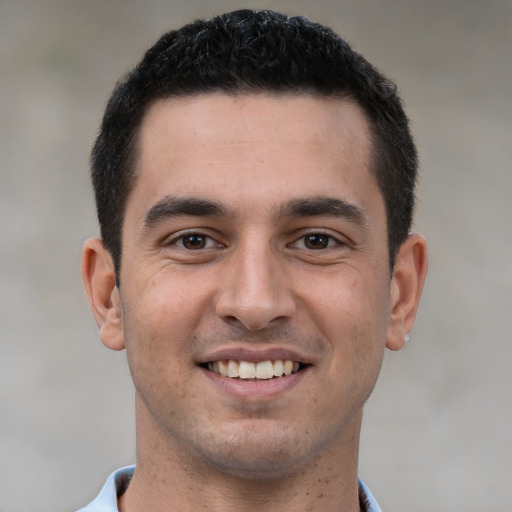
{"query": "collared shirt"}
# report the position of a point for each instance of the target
(118, 481)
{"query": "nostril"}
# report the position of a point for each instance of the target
(232, 320)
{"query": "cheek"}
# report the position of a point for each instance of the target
(168, 303)
(349, 301)
(159, 321)
(352, 315)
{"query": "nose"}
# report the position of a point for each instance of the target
(254, 290)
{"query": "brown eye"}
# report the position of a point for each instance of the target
(317, 241)
(194, 241)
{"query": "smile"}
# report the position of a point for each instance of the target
(254, 370)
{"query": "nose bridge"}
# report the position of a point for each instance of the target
(254, 291)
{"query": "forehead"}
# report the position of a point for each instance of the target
(265, 145)
(300, 117)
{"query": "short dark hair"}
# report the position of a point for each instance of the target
(249, 51)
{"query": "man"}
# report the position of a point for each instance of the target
(254, 182)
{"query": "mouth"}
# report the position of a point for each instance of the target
(249, 370)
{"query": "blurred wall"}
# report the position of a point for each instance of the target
(437, 434)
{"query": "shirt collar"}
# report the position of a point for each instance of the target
(366, 500)
(118, 481)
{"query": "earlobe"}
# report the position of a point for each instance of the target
(98, 275)
(407, 282)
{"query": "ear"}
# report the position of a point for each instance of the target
(99, 279)
(407, 282)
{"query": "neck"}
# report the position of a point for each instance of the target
(168, 478)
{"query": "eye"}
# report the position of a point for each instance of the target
(195, 241)
(315, 241)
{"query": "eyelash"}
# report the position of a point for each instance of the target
(180, 241)
(331, 241)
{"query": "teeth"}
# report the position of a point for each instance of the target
(278, 368)
(223, 368)
(287, 367)
(247, 370)
(232, 368)
(264, 370)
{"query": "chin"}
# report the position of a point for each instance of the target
(261, 466)
(259, 453)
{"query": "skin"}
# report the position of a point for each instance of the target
(221, 259)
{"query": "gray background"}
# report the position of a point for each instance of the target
(437, 434)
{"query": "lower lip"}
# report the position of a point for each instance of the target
(256, 390)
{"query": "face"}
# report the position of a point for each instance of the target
(254, 245)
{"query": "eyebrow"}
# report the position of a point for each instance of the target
(321, 206)
(316, 206)
(172, 207)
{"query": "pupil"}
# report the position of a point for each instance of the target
(317, 241)
(194, 242)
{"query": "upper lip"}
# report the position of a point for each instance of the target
(254, 355)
